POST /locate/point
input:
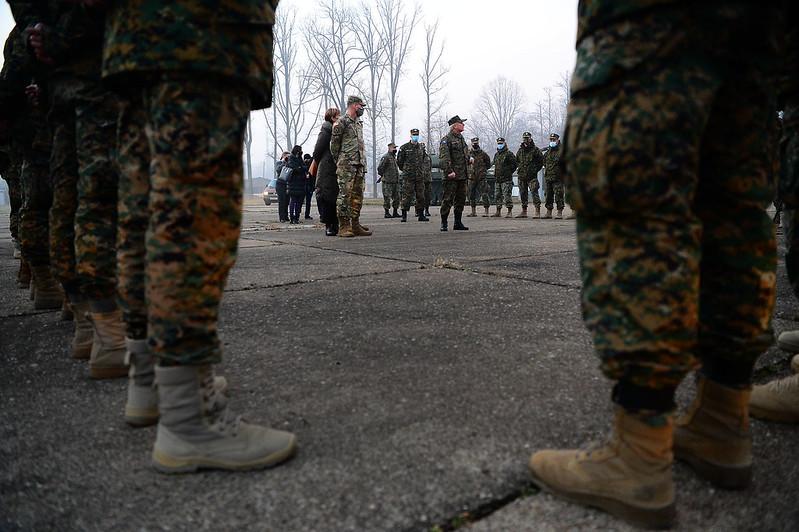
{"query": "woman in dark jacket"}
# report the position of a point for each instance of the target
(296, 184)
(326, 181)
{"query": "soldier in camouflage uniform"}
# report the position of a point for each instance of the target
(389, 177)
(347, 148)
(479, 163)
(667, 157)
(411, 162)
(530, 162)
(454, 163)
(504, 165)
(427, 179)
(553, 192)
(181, 139)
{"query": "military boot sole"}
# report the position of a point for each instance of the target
(722, 476)
(108, 372)
(165, 463)
(520, 216)
(660, 518)
(778, 416)
(137, 417)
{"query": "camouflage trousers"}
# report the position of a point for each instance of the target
(533, 187)
(350, 192)
(180, 201)
(428, 194)
(37, 196)
(391, 196)
(413, 192)
(478, 191)
(553, 194)
(12, 177)
(677, 254)
(83, 217)
(503, 193)
(454, 195)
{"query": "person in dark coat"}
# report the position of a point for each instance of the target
(310, 185)
(280, 188)
(296, 184)
(326, 181)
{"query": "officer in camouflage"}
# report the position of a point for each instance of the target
(347, 148)
(504, 165)
(181, 140)
(668, 161)
(479, 163)
(553, 191)
(427, 179)
(530, 162)
(454, 163)
(389, 177)
(411, 163)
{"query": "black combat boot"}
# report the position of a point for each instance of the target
(404, 216)
(458, 226)
(427, 211)
(420, 215)
(444, 223)
(396, 214)
(387, 215)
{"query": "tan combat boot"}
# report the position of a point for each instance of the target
(508, 215)
(24, 275)
(84, 332)
(473, 213)
(197, 431)
(629, 476)
(522, 214)
(497, 214)
(345, 228)
(713, 437)
(789, 341)
(358, 229)
(141, 408)
(548, 215)
(777, 400)
(571, 215)
(559, 215)
(485, 214)
(47, 295)
(107, 360)
(537, 212)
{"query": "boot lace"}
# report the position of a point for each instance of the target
(215, 407)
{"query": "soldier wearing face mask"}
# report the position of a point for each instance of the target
(504, 165)
(479, 163)
(411, 161)
(553, 193)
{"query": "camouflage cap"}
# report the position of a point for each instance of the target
(554, 136)
(475, 140)
(456, 119)
(414, 131)
(392, 145)
(500, 139)
(355, 99)
(526, 135)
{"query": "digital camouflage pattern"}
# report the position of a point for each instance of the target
(410, 161)
(391, 195)
(347, 148)
(388, 170)
(11, 175)
(504, 165)
(37, 193)
(479, 164)
(530, 162)
(671, 205)
(453, 156)
(553, 183)
(229, 39)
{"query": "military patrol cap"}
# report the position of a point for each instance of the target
(475, 140)
(500, 139)
(414, 131)
(455, 119)
(526, 135)
(554, 136)
(355, 99)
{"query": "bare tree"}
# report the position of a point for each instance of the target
(432, 76)
(397, 22)
(248, 146)
(498, 107)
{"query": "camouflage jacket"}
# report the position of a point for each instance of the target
(552, 164)
(346, 144)
(225, 38)
(480, 162)
(411, 160)
(454, 156)
(427, 168)
(504, 165)
(387, 169)
(530, 161)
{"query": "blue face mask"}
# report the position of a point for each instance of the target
(553, 144)
(500, 146)
(415, 138)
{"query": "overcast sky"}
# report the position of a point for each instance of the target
(529, 41)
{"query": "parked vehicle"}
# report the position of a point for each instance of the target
(270, 193)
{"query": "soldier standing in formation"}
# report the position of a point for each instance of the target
(427, 179)
(553, 193)
(479, 163)
(530, 162)
(454, 156)
(504, 166)
(389, 177)
(411, 161)
(347, 148)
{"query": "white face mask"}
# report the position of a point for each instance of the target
(552, 144)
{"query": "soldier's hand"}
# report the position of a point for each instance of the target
(36, 42)
(451, 174)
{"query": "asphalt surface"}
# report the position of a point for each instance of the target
(419, 370)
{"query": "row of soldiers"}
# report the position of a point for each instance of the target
(122, 125)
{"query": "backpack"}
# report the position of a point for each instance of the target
(285, 174)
